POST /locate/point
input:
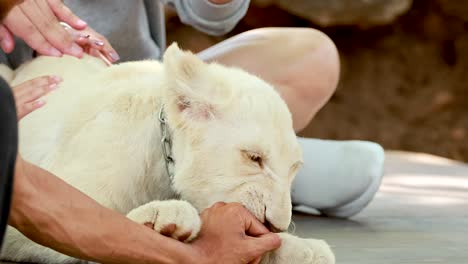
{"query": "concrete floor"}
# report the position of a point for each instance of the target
(420, 215)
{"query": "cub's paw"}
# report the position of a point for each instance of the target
(295, 250)
(173, 218)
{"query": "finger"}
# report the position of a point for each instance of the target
(252, 226)
(40, 14)
(218, 204)
(205, 213)
(90, 40)
(35, 88)
(104, 58)
(256, 261)
(81, 39)
(34, 93)
(168, 230)
(20, 25)
(98, 54)
(64, 14)
(7, 42)
(96, 44)
(107, 49)
(25, 109)
(36, 82)
(258, 246)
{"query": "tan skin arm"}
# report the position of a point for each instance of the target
(54, 214)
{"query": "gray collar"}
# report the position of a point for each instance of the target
(166, 143)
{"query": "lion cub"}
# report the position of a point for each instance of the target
(228, 137)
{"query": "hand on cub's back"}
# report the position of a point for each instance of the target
(37, 22)
(27, 95)
(231, 235)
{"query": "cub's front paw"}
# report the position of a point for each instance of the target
(174, 218)
(295, 250)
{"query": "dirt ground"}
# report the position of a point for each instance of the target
(403, 86)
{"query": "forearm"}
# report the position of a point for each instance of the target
(54, 214)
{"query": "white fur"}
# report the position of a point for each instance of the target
(6, 73)
(100, 133)
(164, 213)
(296, 250)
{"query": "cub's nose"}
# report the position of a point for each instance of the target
(271, 227)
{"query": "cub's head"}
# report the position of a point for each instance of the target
(233, 138)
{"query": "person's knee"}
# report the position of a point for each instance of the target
(321, 66)
(301, 63)
(313, 74)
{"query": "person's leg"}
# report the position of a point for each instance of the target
(301, 63)
(339, 178)
(8, 151)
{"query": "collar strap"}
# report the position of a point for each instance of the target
(166, 143)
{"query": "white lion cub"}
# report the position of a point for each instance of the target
(229, 137)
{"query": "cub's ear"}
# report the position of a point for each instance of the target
(181, 65)
(188, 91)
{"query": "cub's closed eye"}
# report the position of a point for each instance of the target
(257, 159)
(253, 157)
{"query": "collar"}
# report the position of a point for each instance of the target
(166, 144)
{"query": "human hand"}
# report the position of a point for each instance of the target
(37, 23)
(231, 235)
(28, 93)
(94, 44)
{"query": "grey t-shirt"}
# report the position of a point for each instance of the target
(136, 29)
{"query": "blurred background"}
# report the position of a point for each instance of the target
(404, 68)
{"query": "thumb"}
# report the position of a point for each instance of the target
(262, 244)
(256, 261)
(7, 43)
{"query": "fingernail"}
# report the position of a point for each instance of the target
(75, 50)
(114, 56)
(39, 103)
(99, 43)
(56, 78)
(54, 52)
(81, 23)
(53, 86)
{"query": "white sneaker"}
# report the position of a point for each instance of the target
(339, 178)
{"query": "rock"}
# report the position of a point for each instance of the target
(441, 100)
(452, 8)
(263, 3)
(364, 13)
